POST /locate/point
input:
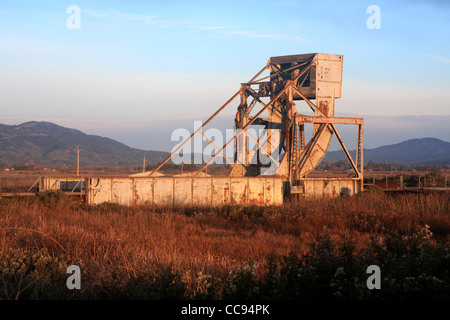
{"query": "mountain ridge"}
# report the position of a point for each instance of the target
(412, 151)
(48, 144)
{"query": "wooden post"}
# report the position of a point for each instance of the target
(78, 160)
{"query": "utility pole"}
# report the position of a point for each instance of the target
(78, 160)
(143, 166)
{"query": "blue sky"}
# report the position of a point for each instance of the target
(137, 70)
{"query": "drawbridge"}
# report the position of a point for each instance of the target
(287, 97)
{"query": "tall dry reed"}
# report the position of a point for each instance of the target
(130, 241)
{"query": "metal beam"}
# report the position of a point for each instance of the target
(310, 146)
(214, 146)
(312, 105)
(361, 150)
(193, 134)
(203, 125)
(265, 106)
(338, 120)
(355, 168)
(257, 143)
(277, 73)
(245, 127)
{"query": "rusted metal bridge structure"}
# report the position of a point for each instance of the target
(282, 156)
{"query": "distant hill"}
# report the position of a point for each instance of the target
(414, 151)
(48, 144)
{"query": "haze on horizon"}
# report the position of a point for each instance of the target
(135, 71)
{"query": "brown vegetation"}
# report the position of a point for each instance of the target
(116, 241)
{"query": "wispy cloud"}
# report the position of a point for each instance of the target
(443, 59)
(211, 27)
(117, 16)
(281, 37)
(282, 4)
(254, 34)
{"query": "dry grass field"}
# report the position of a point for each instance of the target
(293, 251)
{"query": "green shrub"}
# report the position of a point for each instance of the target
(374, 189)
(54, 199)
(34, 275)
(412, 267)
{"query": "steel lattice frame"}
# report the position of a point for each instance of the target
(291, 78)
